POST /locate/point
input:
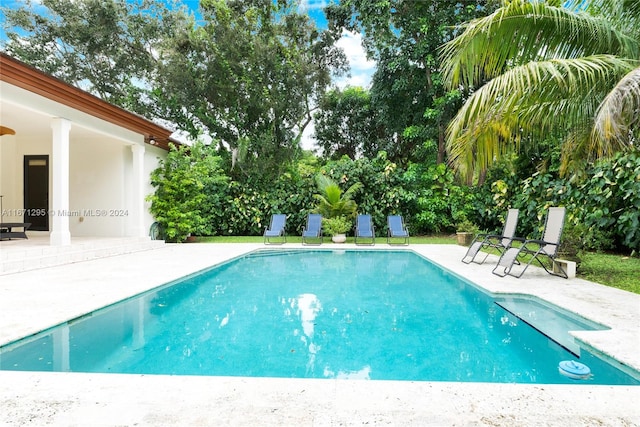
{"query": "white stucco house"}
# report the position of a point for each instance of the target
(72, 164)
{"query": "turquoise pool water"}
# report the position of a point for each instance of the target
(382, 315)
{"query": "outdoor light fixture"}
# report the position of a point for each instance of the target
(6, 131)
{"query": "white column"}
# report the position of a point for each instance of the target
(60, 234)
(137, 196)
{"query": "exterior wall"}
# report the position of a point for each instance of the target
(97, 203)
(101, 198)
(101, 179)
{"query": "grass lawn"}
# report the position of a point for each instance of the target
(617, 271)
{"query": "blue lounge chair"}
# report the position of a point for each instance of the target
(365, 230)
(276, 230)
(538, 250)
(397, 229)
(500, 242)
(313, 229)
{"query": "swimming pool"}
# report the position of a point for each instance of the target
(344, 314)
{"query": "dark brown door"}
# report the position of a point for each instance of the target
(36, 192)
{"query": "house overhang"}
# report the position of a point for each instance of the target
(33, 80)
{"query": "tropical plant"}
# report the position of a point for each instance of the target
(332, 201)
(336, 225)
(568, 67)
(439, 202)
(466, 226)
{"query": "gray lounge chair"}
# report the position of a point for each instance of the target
(313, 230)
(276, 230)
(364, 230)
(397, 229)
(545, 249)
(500, 242)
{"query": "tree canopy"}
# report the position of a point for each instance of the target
(107, 47)
(247, 76)
(250, 78)
(408, 93)
(347, 125)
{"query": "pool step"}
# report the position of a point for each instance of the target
(554, 322)
(17, 256)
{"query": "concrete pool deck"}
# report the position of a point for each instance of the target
(37, 299)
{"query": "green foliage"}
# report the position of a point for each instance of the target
(603, 209)
(247, 209)
(610, 201)
(107, 47)
(336, 225)
(186, 184)
(440, 203)
(381, 180)
(536, 68)
(467, 226)
(332, 201)
(248, 75)
(408, 94)
(346, 124)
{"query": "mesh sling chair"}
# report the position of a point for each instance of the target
(364, 230)
(313, 229)
(276, 230)
(397, 229)
(545, 249)
(500, 242)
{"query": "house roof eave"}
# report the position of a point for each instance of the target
(29, 78)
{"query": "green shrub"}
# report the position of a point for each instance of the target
(611, 202)
(336, 225)
(440, 203)
(184, 183)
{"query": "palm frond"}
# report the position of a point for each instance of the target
(617, 116)
(522, 31)
(532, 99)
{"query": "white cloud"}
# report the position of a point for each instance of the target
(361, 68)
(306, 5)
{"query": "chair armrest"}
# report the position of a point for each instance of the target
(540, 242)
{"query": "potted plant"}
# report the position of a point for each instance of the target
(335, 206)
(465, 232)
(337, 227)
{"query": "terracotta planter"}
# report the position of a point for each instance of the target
(464, 238)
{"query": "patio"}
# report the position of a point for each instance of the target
(33, 300)
(19, 255)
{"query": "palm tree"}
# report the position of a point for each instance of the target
(562, 67)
